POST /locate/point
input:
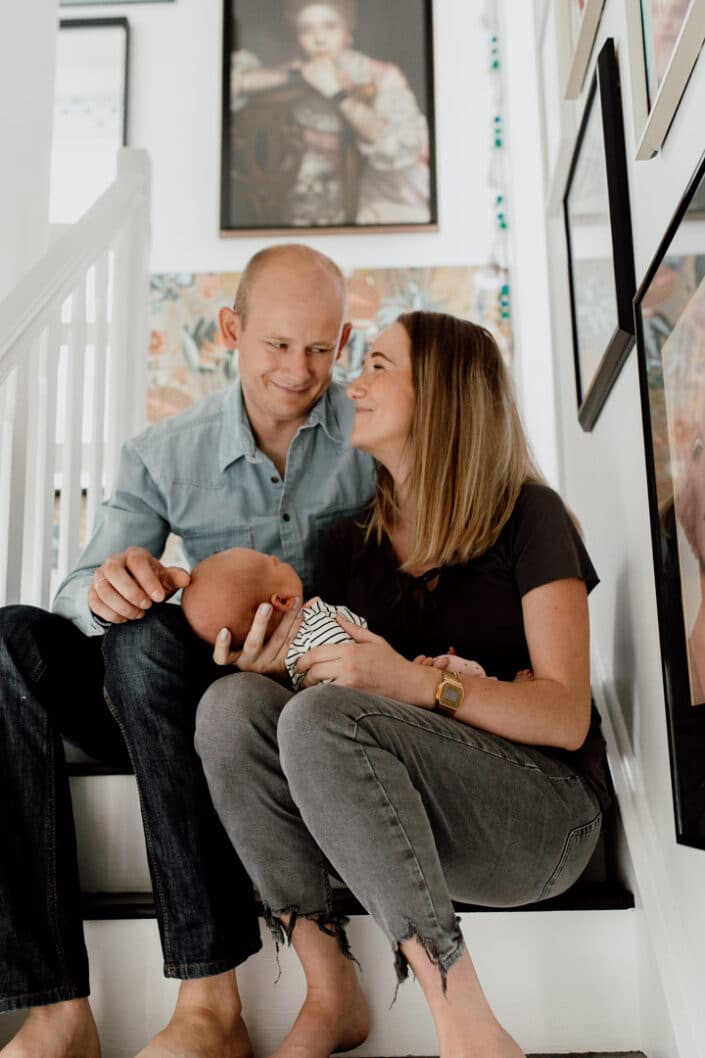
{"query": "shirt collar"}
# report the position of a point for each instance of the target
(238, 441)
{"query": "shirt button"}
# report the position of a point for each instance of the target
(275, 481)
(286, 518)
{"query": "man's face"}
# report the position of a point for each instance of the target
(293, 335)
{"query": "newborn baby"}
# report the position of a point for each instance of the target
(227, 588)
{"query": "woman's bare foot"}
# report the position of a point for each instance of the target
(207, 1023)
(62, 1030)
(328, 1022)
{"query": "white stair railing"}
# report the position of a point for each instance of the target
(73, 353)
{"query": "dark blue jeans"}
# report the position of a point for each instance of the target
(55, 682)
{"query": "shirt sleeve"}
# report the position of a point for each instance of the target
(134, 516)
(545, 542)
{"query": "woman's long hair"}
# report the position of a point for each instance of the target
(469, 456)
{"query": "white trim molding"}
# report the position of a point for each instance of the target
(664, 926)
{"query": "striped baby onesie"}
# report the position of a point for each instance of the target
(318, 627)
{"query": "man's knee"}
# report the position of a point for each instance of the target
(162, 631)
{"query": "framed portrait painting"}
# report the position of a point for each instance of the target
(665, 38)
(583, 20)
(90, 112)
(599, 238)
(327, 117)
(670, 322)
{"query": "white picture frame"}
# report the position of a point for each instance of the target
(651, 125)
(90, 112)
(558, 117)
(582, 38)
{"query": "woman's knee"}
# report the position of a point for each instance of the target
(235, 711)
(314, 722)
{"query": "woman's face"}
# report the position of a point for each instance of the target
(322, 31)
(384, 399)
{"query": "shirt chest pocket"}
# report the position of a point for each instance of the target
(200, 542)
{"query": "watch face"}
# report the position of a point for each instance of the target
(451, 696)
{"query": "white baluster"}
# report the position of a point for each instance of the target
(13, 475)
(36, 585)
(70, 508)
(100, 352)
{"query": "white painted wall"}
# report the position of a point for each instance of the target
(27, 49)
(603, 478)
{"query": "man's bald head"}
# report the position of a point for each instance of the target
(298, 258)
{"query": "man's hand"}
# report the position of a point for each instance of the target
(127, 584)
(256, 655)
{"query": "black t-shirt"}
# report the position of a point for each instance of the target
(474, 607)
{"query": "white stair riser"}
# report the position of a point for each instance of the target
(111, 847)
(559, 981)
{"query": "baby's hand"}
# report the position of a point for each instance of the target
(444, 661)
(524, 676)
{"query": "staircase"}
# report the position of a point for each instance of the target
(562, 975)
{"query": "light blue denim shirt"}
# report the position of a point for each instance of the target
(200, 475)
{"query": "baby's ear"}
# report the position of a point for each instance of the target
(282, 602)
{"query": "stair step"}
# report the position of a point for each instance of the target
(113, 859)
(561, 983)
(586, 896)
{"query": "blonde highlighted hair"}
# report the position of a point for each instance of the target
(469, 456)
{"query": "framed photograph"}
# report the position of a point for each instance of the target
(670, 326)
(558, 122)
(584, 18)
(664, 38)
(327, 117)
(90, 112)
(599, 235)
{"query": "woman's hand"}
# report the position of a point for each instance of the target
(256, 655)
(367, 664)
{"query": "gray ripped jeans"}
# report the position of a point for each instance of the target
(409, 808)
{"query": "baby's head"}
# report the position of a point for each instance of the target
(227, 588)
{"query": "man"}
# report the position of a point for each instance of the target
(263, 464)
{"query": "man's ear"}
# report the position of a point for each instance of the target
(347, 328)
(230, 327)
(282, 602)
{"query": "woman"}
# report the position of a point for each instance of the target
(418, 789)
(351, 96)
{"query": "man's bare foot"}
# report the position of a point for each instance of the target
(326, 1023)
(207, 1023)
(199, 1034)
(62, 1030)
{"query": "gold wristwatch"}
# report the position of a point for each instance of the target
(449, 693)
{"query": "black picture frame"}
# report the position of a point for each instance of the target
(290, 156)
(669, 310)
(598, 220)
